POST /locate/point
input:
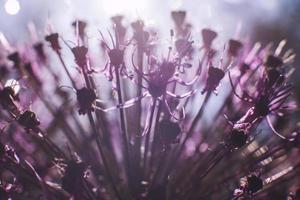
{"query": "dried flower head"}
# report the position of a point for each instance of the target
(148, 132)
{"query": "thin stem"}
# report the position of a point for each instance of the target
(123, 125)
(195, 121)
(156, 132)
(212, 164)
(188, 135)
(65, 68)
(136, 150)
(105, 163)
(147, 141)
(98, 138)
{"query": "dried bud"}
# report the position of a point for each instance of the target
(117, 19)
(261, 107)
(73, 177)
(7, 95)
(237, 139)
(157, 87)
(15, 58)
(273, 62)
(39, 49)
(234, 47)
(86, 98)
(80, 53)
(274, 76)
(28, 120)
(53, 39)
(254, 183)
(7, 98)
(116, 57)
(81, 28)
(178, 17)
(215, 75)
(208, 37)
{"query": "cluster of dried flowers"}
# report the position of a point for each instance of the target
(160, 131)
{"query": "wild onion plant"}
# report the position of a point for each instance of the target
(147, 119)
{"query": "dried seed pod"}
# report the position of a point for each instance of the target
(208, 37)
(274, 76)
(53, 40)
(116, 57)
(215, 75)
(15, 58)
(234, 47)
(156, 87)
(261, 107)
(178, 17)
(28, 120)
(39, 49)
(254, 183)
(86, 99)
(73, 177)
(80, 53)
(159, 79)
(7, 98)
(117, 19)
(273, 62)
(236, 139)
(8, 95)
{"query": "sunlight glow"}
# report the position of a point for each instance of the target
(14, 84)
(12, 7)
(113, 7)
